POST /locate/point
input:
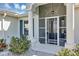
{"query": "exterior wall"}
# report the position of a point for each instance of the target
(10, 26)
(58, 8)
(34, 16)
(36, 25)
(76, 23)
(36, 28)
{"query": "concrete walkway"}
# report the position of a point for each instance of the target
(30, 52)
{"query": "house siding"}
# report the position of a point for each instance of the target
(11, 28)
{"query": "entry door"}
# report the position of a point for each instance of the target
(56, 30)
(52, 31)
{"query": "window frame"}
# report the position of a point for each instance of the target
(22, 27)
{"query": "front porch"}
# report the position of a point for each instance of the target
(47, 48)
(40, 28)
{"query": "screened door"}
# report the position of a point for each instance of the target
(52, 31)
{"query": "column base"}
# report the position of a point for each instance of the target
(70, 45)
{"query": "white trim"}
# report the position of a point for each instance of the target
(38, 30)
(52, 17)
(3, 28)
(23, 27)
(46, 30)
(73, 16)
(19, 27)
(58, 30)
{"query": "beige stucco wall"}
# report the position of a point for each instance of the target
(10, 26)
(45, 10)
(76, 23)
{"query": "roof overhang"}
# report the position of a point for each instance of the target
(11, 13)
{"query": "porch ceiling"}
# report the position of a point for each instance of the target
(38, 4)
(77, 5)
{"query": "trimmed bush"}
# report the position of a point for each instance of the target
(64, 52)
(77, 46)
(19, 45)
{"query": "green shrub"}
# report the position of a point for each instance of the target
(77, 46)
(19, 45)
(76, 50)
(67, 52)
(1, 40)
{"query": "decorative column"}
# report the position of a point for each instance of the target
(70, 44)
(30, 25)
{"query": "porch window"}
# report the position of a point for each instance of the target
(62, 30)
(26, 28)
(42, 30)
(23, 27)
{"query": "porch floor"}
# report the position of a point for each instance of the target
(47, 48)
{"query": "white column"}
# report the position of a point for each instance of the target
(70, 26)
(3, 28)
(30, 25)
